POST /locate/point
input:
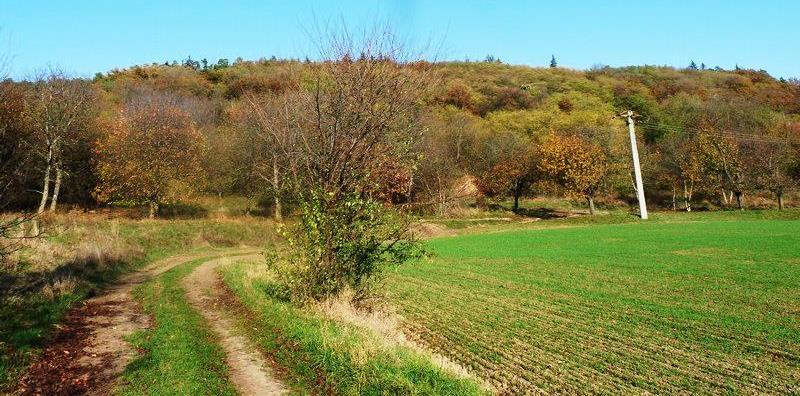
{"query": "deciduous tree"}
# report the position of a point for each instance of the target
(362, 106)
(59, 109)
(151, 155)
(575, 163)
(776, 158)
(506, 165)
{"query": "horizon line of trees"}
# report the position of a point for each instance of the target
(72, 140)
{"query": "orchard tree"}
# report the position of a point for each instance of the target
(776, 159)
(151, 156)
(682, 164)
(725, 130)
(724, 157)
(682, 152)
(576, 164)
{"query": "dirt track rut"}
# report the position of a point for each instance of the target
(249, 372)
(88, 351)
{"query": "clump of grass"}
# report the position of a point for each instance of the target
(60, 287)
(330, 356)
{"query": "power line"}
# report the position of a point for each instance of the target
(735, 135)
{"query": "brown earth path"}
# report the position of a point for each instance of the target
(88, 350)
(249, 372)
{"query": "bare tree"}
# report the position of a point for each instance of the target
(359, 111)
(58, 109)
(277, 122)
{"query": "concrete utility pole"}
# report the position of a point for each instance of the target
(637, 170)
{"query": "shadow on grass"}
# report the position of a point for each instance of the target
(182, 211)
(539, 213)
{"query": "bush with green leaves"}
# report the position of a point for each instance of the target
(342, 244)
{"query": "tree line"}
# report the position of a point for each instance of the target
(153, 134)
(368, 129)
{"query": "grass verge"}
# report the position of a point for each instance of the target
(330, 357)
(181, 355)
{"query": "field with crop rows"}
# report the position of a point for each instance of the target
(662, 307)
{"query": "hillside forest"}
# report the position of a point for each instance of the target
(155, 134)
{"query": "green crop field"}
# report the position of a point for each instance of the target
(704, 306)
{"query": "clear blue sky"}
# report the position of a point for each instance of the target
(84, 37)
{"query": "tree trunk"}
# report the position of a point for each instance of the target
(739, 201)
(56, 187)
(590, 200)
(276, 187)
(687, 196)
(516, 200)
(34, 228)
(780, 200)
(410, 187)
(46, 182)
(674, 204)
(153, 209)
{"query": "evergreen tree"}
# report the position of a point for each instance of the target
(692, 66)
(553, 62)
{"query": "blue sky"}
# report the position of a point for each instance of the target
(84, 37)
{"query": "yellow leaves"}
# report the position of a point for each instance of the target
(573, 162)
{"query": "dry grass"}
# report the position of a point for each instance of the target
(59, 287)
(387, 329)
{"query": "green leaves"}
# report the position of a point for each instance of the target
(342, 242)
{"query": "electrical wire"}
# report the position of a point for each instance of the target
(728, 134)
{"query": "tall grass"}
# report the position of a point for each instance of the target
(329, 356)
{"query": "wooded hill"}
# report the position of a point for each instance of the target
(156, 134)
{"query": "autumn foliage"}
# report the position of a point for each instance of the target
(151, 156)
(574, 163)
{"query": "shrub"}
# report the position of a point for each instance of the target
(342, 244)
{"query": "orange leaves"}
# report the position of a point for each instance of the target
(151, 154)
(573, 162)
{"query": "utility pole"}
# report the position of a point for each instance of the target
(637, 170)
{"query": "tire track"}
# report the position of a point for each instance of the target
(249, 372)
